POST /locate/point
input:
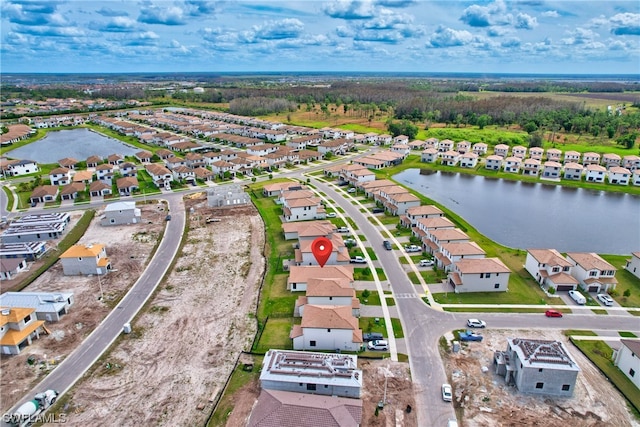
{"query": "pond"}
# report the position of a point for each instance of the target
(535, 215)
(76, 143)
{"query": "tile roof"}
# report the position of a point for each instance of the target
(549, 256)
(76, 251)
(481, 265)
(590, 261)
(329, 316)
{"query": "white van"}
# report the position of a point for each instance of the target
(378, 345)
(578, 297)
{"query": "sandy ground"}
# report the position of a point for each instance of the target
(182, 349)
(485, 400)
(128, 247)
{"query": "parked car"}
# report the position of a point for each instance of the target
(358, 260)
(476, 323)
(343, 230)
(372, 336)
(387, 245)
(552, 313)
(577, 297)
(470, 335)
(378, 345)
(352, 190)
(331, 215)
(343, 183)
(377, 210)
(447, 392)
(167, 218)
(426, 262)
(413, 248)
(349, 242)
(605, 299)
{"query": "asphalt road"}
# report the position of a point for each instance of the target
(80, 360)
(423, 326)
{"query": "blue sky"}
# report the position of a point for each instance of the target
(574, 37)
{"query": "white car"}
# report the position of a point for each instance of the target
(413, 248)
(476, 323)
(447, 393)
(426, 262)
(605, 299)
(378, 345)
(331, 215)
(351, 190)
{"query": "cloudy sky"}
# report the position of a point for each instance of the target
(499, 36)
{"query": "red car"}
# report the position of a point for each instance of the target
(552, 313)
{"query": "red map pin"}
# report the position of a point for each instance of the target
(321, 249)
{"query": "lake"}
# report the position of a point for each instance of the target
(76, 143)
(535, 215)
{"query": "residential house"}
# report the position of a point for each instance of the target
(30, 251)
(271, 190)
(536, 153)
(262, 149)
(631, 162)
(328, 292)
(9, 268)
(372, 188)
(425, 225)
(436, 237)
(469, 160)
(161, 176)
(551, 169)
(480, 148)
(512, 164)
(303, 209)
(449, 158)
(278, 408)
(384, 139)
(93, 161)
(429, 155)
(19, 167)
(44, 193)
(573, 171)
(18, 233)
(174, 161)
(184, 174)
(550, 269)
(619, 175)
(327, 327)
(451, 253)
(84, 177)
(195, 160)
(445, 145)
(635, 177)
(339, 252)
(68, 162)
(335, 146)
(203, 174)
(403, 149)
(571, 157)
(432, 143)
(99, 189)
(227, 196)
(463, 147)
(411, 217)
(299, 276)
(128, 169)
(590, 158)
(330, 374)
(493, 162)
(308, 230)
(537, 367)
(595, 173)
(60, 176)
(531, 167)
(627, 359)
(554, 155)
(479, 275)
(633, 264)
(398, 204)
(85, 260)
(610, 160)
(221, 167)
(144, 156)
(115, 159)
(48, 306)
(519, 151)
(401, 139)
(18, 327)
(104, 172)
(501, 150)
(164, 154)
(121, 213)
(70, 191)
(594, 273)
(127, 185)
(417, 144)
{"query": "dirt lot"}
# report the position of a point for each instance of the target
(485, 400)
(128, 248)
(174, 361)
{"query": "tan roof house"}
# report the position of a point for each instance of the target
(573, 171)
(479, 275)
(327, 327)
(18, 327)
(594, 273)
(85, 260)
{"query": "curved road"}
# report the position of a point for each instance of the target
(423, 326)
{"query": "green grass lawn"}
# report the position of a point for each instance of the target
(600, 354)
(626, 282)
(275, 335)
(626, 334)
(10, 198)
(372, 298)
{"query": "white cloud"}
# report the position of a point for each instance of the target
(551, 14)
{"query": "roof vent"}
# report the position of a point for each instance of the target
(6, 311)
